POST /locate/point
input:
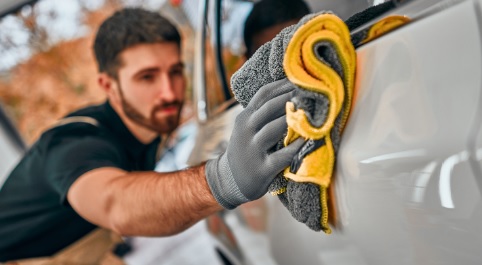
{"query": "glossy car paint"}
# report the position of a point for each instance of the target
(405, 188)
(408, 182)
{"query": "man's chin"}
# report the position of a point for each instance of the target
(165, 127)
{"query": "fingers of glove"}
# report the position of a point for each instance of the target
(282, 158)
(271, 134)
(270, 111)
(269, 91)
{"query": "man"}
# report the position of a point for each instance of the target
(94, 168)
(268, 18)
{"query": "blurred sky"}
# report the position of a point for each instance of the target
(62, 19)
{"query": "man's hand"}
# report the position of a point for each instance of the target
(244, 172)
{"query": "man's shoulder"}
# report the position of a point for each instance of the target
(78, 140)
(89, 128)
(84, 122)
(90, 111)
(75, 128)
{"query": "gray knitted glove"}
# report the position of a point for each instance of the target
(244, 172)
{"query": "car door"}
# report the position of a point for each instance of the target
(408, 183)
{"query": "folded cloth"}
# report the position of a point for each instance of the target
(318, 56)
(320, 60)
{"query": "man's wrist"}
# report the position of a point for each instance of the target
(222, 184)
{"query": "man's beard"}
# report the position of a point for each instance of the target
(162, 126)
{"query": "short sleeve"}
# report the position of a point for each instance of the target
(72, 157)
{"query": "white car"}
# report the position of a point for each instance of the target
(409, 169)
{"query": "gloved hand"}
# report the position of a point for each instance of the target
(244, 172)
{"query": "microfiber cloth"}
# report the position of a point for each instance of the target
(317, 56)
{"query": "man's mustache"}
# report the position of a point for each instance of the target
(176, 104)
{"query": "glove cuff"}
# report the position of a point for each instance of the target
(222, 184)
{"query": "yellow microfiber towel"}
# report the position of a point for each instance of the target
(383, 26)
(316, 46)
(318, 56)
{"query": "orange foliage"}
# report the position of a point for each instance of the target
(53, 83)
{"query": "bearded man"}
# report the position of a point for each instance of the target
(94, 169)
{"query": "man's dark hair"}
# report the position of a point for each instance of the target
(126, 28)
(268, 13)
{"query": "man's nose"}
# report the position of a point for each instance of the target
(166, 90)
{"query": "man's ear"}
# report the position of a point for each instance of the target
(105, 82)
(109, 85)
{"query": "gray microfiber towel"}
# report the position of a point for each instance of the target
(266, 66)
(302, 199)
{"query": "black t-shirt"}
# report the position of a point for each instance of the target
(35, 217)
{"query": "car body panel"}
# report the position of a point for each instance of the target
(405, 190)
(478, 149)
(408, 177)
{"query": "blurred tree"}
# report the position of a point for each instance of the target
(57, 78)
(57, 72)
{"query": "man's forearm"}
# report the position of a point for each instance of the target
(144, 203)
(160, 204)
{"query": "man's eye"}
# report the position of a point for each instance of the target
(177, 72)
(147, 77)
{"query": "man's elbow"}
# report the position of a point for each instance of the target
(120, 224)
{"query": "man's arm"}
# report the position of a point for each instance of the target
(160, 204)
(143, 203)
